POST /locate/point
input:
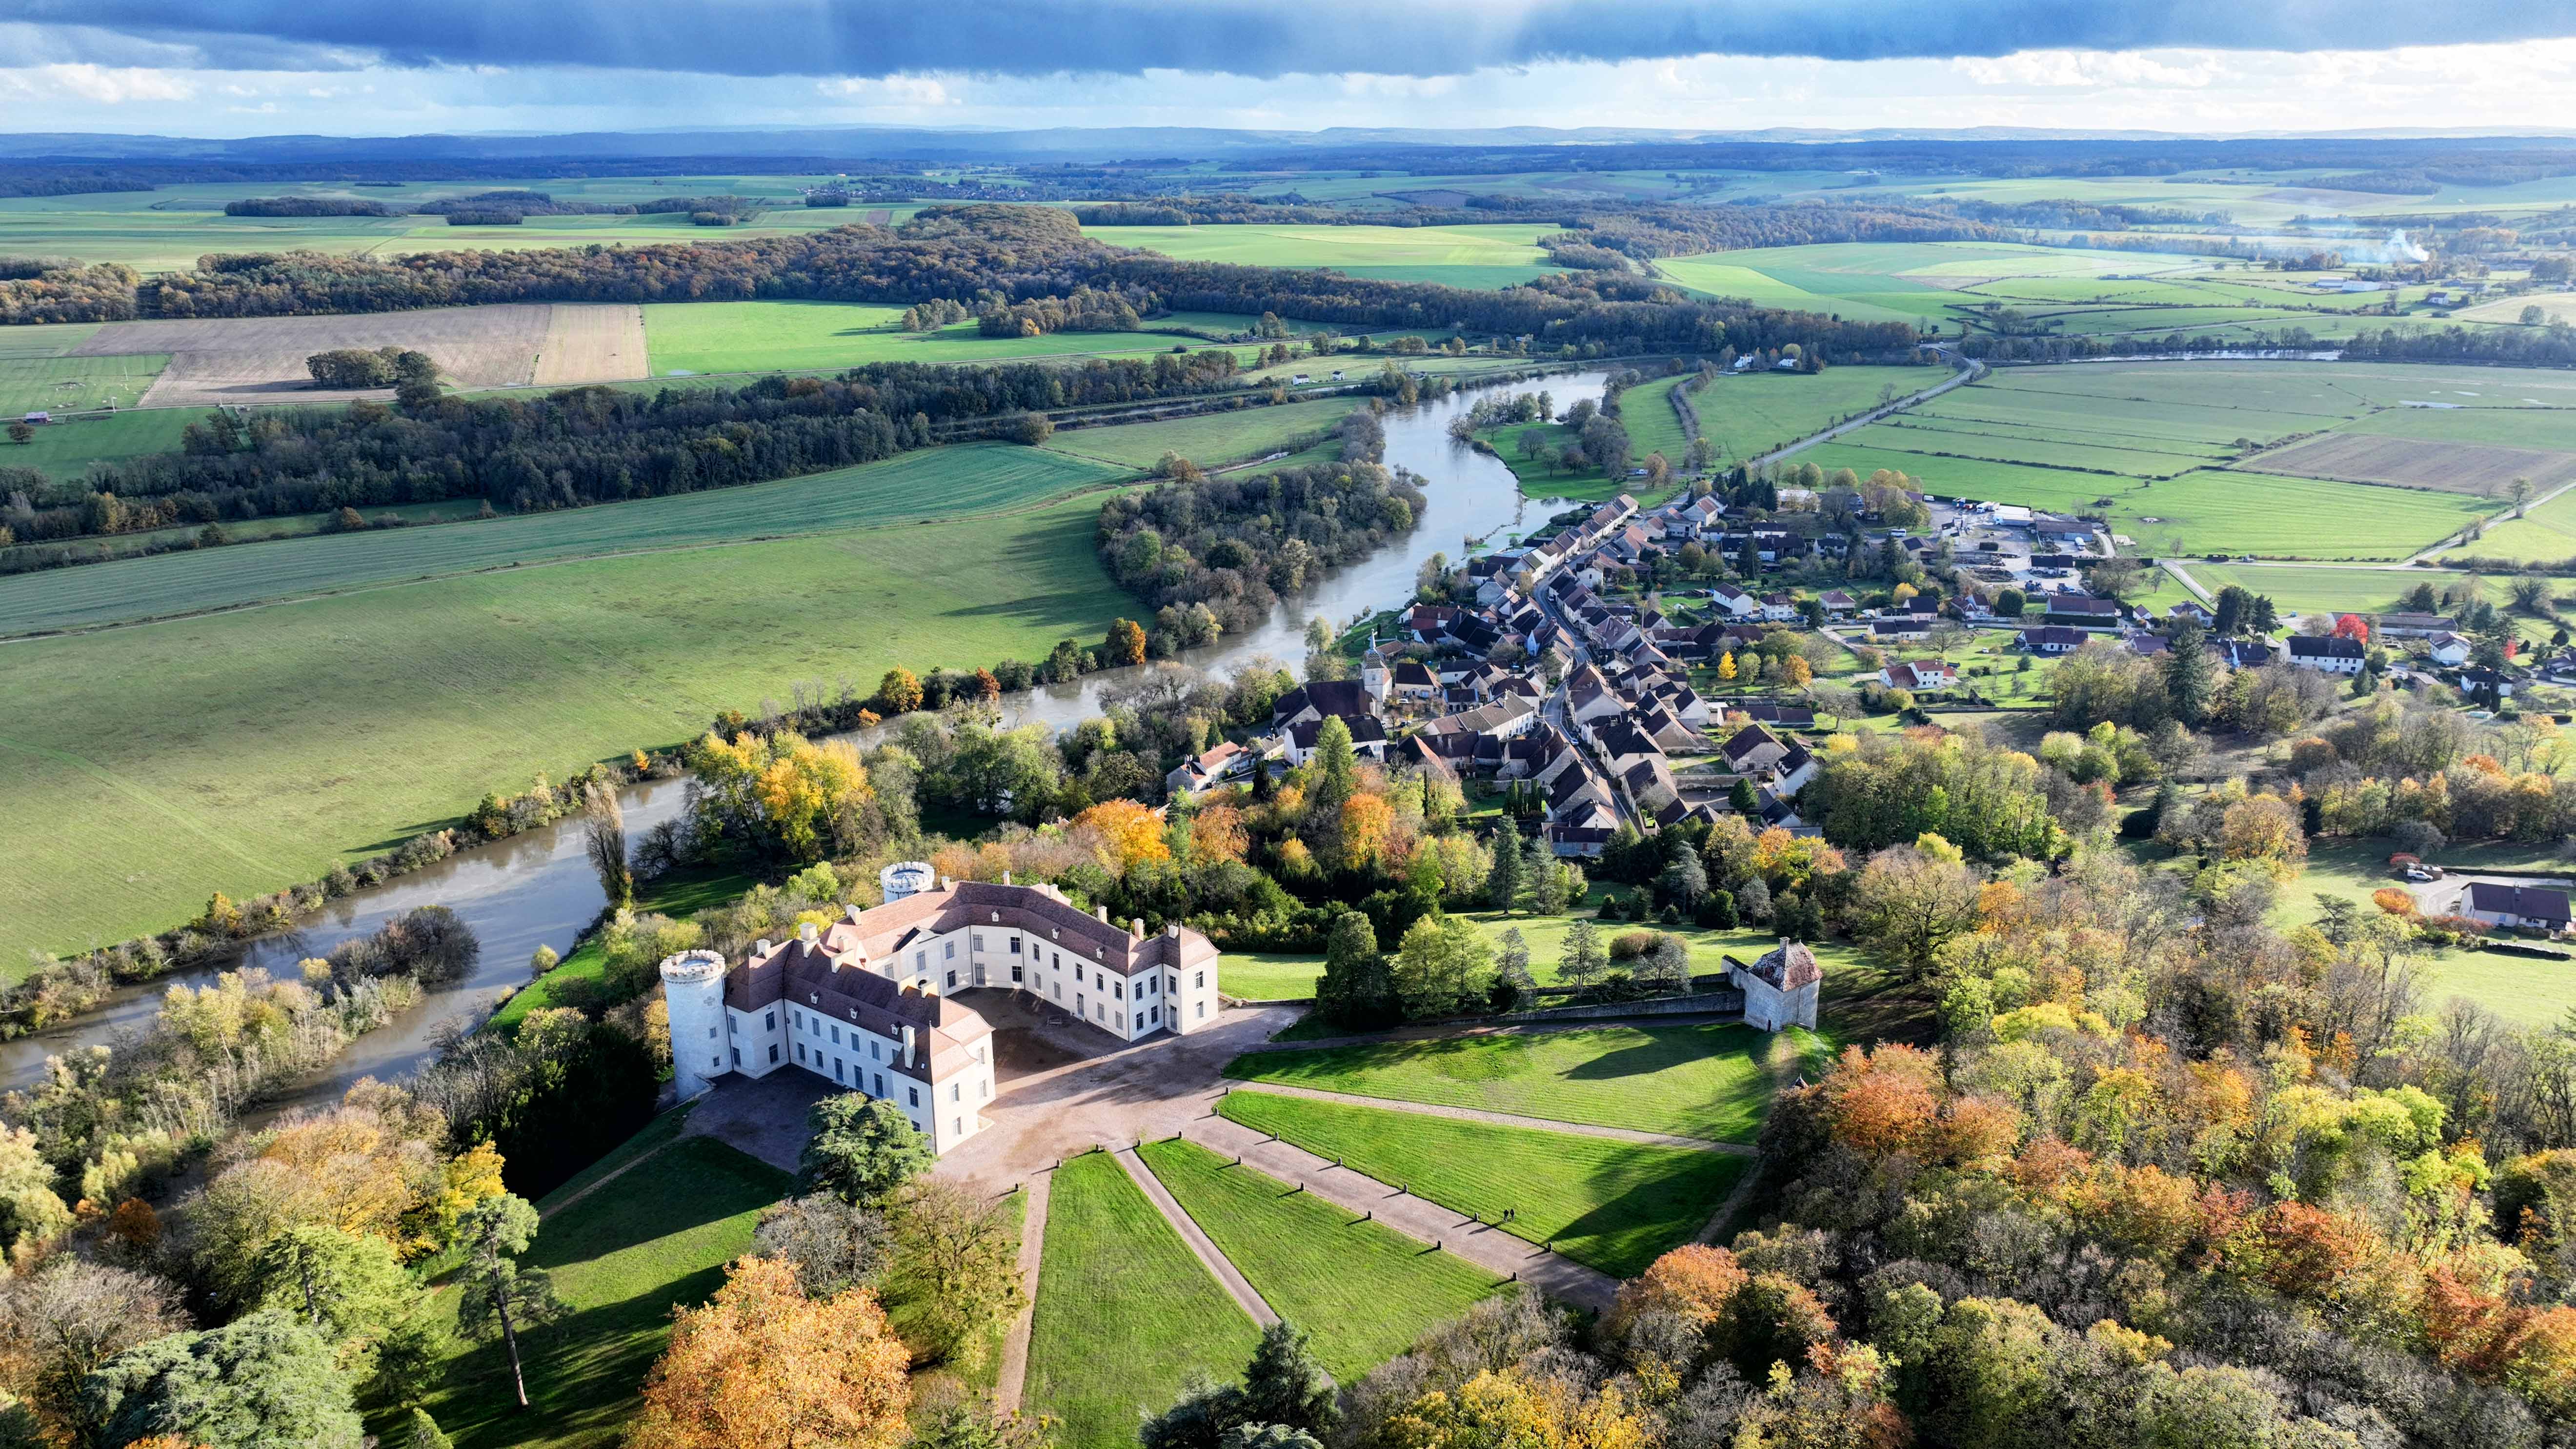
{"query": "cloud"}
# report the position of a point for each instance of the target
(866, 39)
(104, 85)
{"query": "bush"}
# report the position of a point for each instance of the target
(2418, 838)
(1717, 912)
(1629, 945)
(2394, 901)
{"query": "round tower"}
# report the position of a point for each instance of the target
(906, 878)
(693, 985)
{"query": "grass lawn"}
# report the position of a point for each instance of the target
(253, 748)
(1743, 417)
(1458, 256)
(75, 384)
(1612, 1205)
(1207, 439)
(623, 1257)
(2524, 990)
(1268, 975)
(66, 449)
(1124, 1310)
(1363, 1289)
(1691, 1080)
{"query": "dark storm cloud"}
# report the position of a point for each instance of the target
(1259, 37)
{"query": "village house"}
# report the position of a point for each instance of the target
(1922, 676)
(2082, 610)
(2450, 649)
(1368, 738)
(2053, 639)
(2327, 654)
(1755, 753)
(1219, 766)
(866, 1003)
(2521, 908)
(2413, 626)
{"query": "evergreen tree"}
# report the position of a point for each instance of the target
(500, 1297)
(261, 1379)
(861, 1150)
(422, 1432)
(1584, 958)
(1684, 880)
(1284, 1384)
(1536, 859)
(1503, 882)
(2191, 676)
(2264, 615)
(1356, 989)
(1512, 977)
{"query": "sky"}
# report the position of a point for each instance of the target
(252, 67)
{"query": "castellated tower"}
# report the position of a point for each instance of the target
(906, 878)
(693, 982)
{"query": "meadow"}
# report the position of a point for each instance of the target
(622, 1257)
(1613, 1205)
(65, 448)
(1457, 256)
(1688, 1080)
(1746, 416)
(75, 384)
(1364, 1290)
(255, 747)
(970, 477)
(1125, 1312)
(688, 338)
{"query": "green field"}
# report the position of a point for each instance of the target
(1691, 1080)
(66, 449)
(2146, 446)
(1613, 1205)
(723, 337)
(1364, 1290)
(1457, 256)
(168, 229)
(251, 749)
(1125, 1312)
(2311, 590)
(623, 1257)
(2545, 534)
(968, 478)
(74, 384)
(1208, 439)
(1746, 416)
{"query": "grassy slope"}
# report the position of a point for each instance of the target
(1210, 439)
(1268, 975)
(1613, 1205)
(1124, 1311)
(1690, 1080)
(1362, 1289)
(680, 894)
(251, 749)
(623, 1258)
(933, 483)
(1746, 416)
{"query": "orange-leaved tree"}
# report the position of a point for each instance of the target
(1128, 833)
(765, 1367)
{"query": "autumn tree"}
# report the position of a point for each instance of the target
(66, 1320)
(899, 692)
(1130, 833)
(1909, 902)
(1126, 643)
(762, 1366)
(1217, 835)
(779, 796)
(604, 838)
(499, 1296)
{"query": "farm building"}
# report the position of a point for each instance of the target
(1780, 987)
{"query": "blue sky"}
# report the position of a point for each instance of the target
(236, 67)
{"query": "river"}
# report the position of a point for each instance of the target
(538, 889)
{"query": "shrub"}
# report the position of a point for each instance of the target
(2394, 901)
(1629, 945)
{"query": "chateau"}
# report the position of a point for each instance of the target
(866, 1003)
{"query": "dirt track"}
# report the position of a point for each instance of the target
(261, 359)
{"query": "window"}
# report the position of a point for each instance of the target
(921, 960)
(737, 1056)
(979, 940)
(773, 1054)
(983, 1087)
(715, 1064)
(952, 980)
(769, 1021)
(1122, 1021)
(1118, 989)
(1015, 946)
(880, 1084)
(836, 1036)
(1059, 960)
(1199, 982)
(1153, 1015)
(1059, 991)
(729, 1026)
(1077, 973)
(800, 1052)
(836, 1069)
(914, 1093)
(954, 1089)
(711, 1031)
(948, 950)
(1015, 973)
(957, 1125)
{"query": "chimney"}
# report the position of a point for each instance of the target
(1172, 929)
(760, 948)
(946, 884)
(907, 1045)
(810, 934)
(1136, 931)
(1102, 912)
(1006, 877)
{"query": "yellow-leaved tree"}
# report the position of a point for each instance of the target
(1128, 833)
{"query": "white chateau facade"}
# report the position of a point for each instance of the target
(865, 1003)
